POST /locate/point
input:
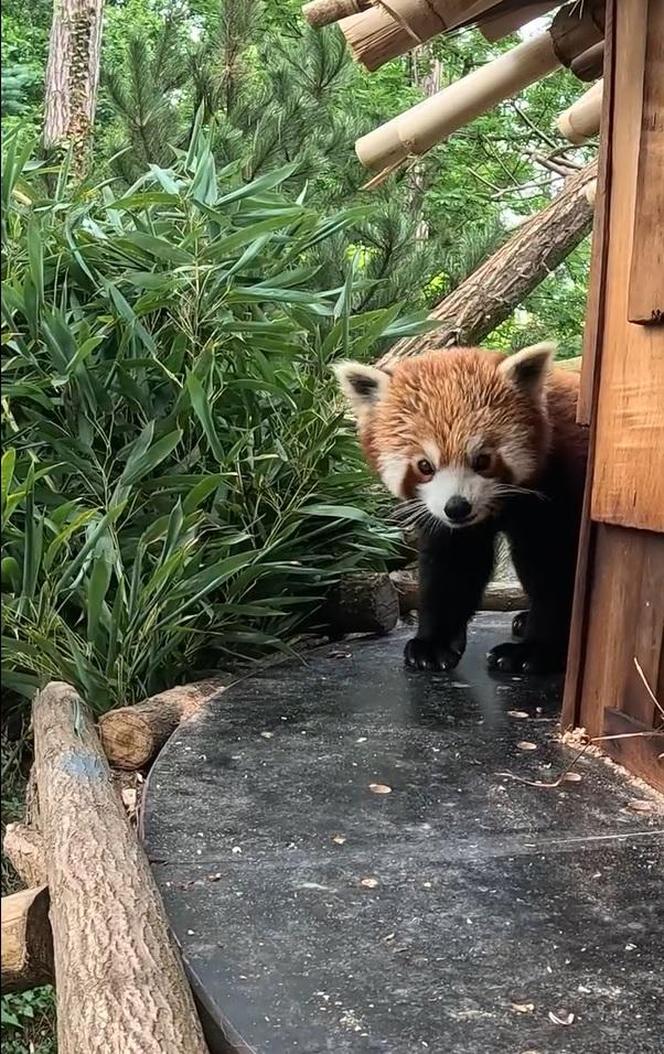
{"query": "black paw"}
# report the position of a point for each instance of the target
(519, 623)
(526, 657)
(422, 654)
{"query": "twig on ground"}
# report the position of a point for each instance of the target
(647, 687)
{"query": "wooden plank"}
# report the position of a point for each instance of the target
(625, 622)
(628, 472)
(646, 283)
(638, 753)
(588, 391)
(592, 335)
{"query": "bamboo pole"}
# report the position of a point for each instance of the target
(320, 13)
(582, 120)
(422, 127)
(120, 984)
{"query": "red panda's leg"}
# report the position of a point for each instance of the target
(543, 549)
(455, 566)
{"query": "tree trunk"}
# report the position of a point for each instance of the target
(120, 985)
(24, 848)
(27, 944)
(489, 295)
(132, 735)
(72, 76)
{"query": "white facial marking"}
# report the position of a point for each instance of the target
(519, 461)
(393, 470)
(458, 482)
(431, 451)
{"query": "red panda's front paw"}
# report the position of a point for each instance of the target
(423, 654)
(526, 657)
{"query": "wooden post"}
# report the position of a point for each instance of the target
(120, 984)
(132, 735)
(27, 944)
(418, 129)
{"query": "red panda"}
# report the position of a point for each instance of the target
(476, 443)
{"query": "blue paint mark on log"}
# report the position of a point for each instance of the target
(83, 764)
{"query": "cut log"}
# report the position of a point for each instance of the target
(490, 294)
(132, 735)
(406, 584)
(582, 120)
(119, 981)
(423, 126)
(324, 12)
(365, 602)
(27, 943)
(24, 848)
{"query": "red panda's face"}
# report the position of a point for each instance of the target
(454, 431)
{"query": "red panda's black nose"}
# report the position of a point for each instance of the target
(458, 509)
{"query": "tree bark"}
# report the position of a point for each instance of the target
(489, 295)
(120, 985)
(24, 848)
(72, 77)
(132, 735)
(27, 944)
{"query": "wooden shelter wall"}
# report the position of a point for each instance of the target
(619, 603)
(628, 477)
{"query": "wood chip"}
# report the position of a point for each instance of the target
(523, 1008)
(369, 883)
(639, 805)
(561, 1017)
(572, 777)
(525, 744)
(380, 788)
(517, 713)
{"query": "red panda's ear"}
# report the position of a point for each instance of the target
(527, 369)
(363, 386)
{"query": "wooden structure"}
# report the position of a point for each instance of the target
(615, 678)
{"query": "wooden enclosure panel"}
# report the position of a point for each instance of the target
(592, 332)
(628, 476)
(646, 285)
(625, 623)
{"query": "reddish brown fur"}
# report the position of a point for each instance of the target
(459, 395)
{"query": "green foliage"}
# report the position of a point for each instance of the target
(178, 484)
(28, 1022)
(17, 81)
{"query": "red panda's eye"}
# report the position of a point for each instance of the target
(480, 462)
(424, 467)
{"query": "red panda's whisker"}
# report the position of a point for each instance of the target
(502, 489)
